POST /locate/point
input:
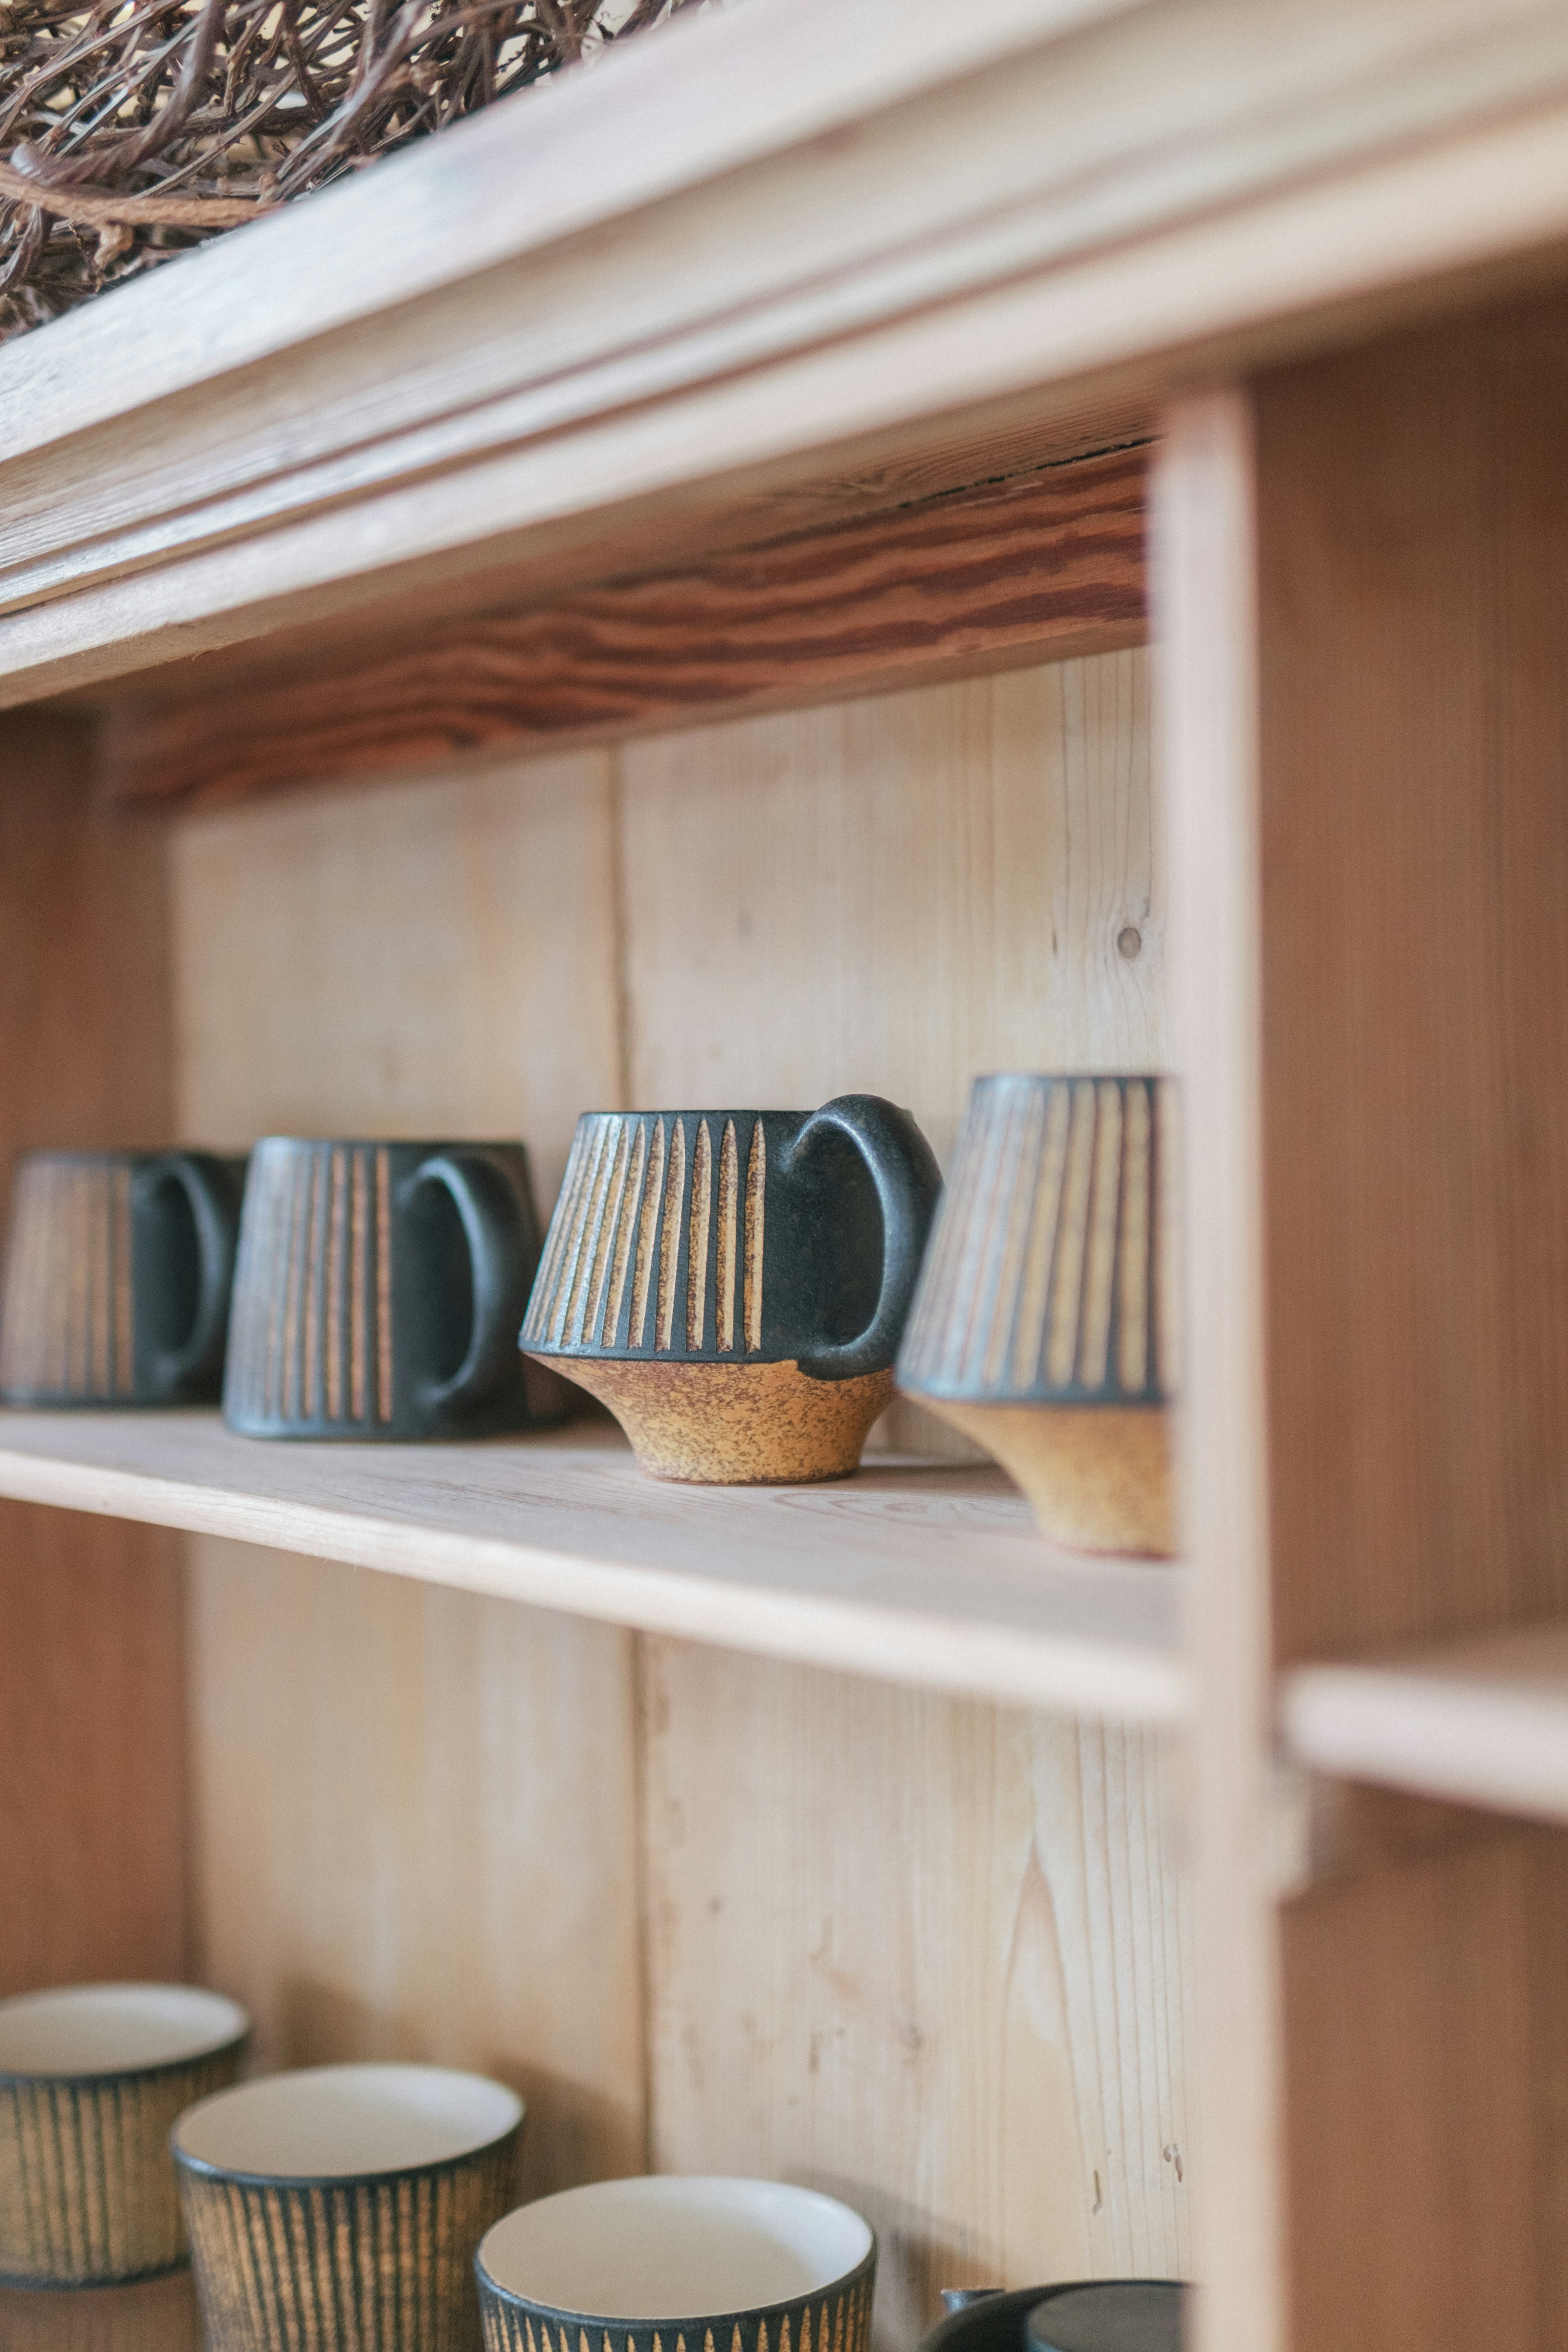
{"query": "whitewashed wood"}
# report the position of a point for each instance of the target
(927, 1956)
(1482, 1721)
(930, 1573)
(415, 1837)
(413, 1827)
(1202, 581)
(438, 960)
(1106, 205)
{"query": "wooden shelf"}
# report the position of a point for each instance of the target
(1482, 1722)
(920, 1572)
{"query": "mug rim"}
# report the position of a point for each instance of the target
(674, 2323)
(205, 2168)
(396, 1143)
(90, 2078)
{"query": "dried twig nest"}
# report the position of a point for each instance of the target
(132, 129)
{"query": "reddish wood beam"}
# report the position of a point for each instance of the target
(1037, 569)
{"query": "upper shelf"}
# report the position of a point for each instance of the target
(1481, 1722)
(769, 265)
(918, 1572)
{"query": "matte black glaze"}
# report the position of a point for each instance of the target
(379, 1290)
(1111, 2316)
(118, 1277)
(766, 1236)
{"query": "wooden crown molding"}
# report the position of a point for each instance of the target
(770, 245)
(1042, 568)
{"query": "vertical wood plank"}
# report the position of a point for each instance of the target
(92, 1779)
(437, 1859)
(414, 1822)
(1203, 579)
(931, 1954)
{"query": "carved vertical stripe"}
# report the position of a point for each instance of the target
(1166, 1187)
(1010, 1244)
(756, 1192)
(648, 1223)
(596, 1212)
(628, 1218)
(377, 2266)
(315, 1276)
(539, 1322)
(837, 2324)
(1067, 1287)
(382, 1286)
(1039, 1259)
(359, 1275)
(604, 1245)
(336, 1214)
(299, 1177)
(669, 1238)
(1132, 1258)
(729, 1221)
(1099, 1250)
(579, 1215)
(697, 1253)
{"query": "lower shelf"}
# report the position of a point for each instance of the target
(920, 1573)
(1482, 1722)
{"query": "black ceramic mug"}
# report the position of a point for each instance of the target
(379, 1290)
(669, 2263)
(1090, 2315)
(118, 1272)
(734, 1283)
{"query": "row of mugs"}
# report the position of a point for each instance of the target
(736, 1286)
(374, 2205)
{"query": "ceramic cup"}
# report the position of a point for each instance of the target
(1045, 1322)
(117, 1271)
(342, 2205)
(1109, 2316)
(733, 1283)
(92, 2078)
(666, 2264)
(379, 1290)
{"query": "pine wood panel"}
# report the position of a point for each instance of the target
(927, 1956)
(413, 1824)
(92, 1741)
(929, 1571)
(1043, 568)
(413, 1831)
(1414, 518)
(1203, 582)
(931, 1954)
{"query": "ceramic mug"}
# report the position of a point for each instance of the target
(379, 1290)
(733, 1283)
(117, 1271)
(662, 2263)
(343, 2205)
(92, 2078)
(1046, 1323)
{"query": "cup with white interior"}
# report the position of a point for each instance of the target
(663, 2264)
(91, 2078)
(343, 2205)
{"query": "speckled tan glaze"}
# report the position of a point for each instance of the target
(1099, 1475)
(735, 1424)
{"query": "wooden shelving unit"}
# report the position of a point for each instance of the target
(929, 1571)
(645, 600)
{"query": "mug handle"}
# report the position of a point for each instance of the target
(503, 1251)
(209, 1187)
(903, 1169)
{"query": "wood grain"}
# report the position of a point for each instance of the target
(927, 1954)
(92, 1768)
(1047, 567)
(931, 1571)
(1414, 524)
(929, 1957)
(1203, 582)
(437, 1862)
(654, 335)
(415, 1828)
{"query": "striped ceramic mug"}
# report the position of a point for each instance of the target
(340, 2206)
(91, 2078)
(1047, 1322)
(379, 1290)
(665, 2263)
(117, 1271)
(733, 1283)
